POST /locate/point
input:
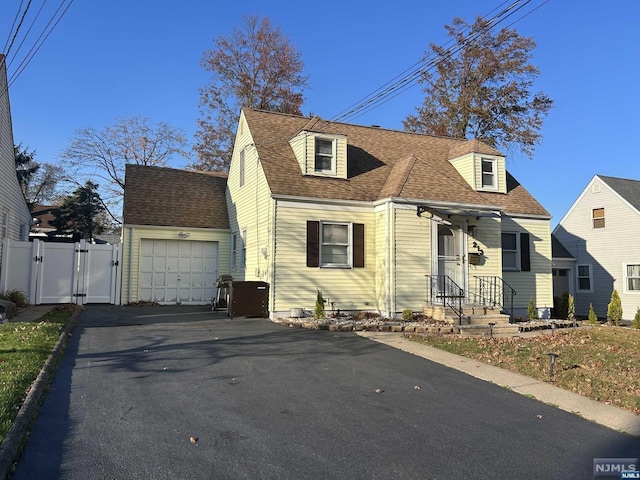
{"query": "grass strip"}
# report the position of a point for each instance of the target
(602, 363)
(24, 348)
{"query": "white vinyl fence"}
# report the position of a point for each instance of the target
(50, 272)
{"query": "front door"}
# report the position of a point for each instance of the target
(450, 258)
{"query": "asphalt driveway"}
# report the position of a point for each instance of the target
(182, 393)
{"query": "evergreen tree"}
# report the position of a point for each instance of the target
(80, 214)
(614, 309)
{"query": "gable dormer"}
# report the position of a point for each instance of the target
(483, 167)
(321, 154)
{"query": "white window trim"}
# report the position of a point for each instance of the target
(517, 250)
(590, 266)
(626, 277)
(603, 218)
(333, 169)
(243, 249)
(494, 173)
(234, 251)
(349, 246)
(241, 174)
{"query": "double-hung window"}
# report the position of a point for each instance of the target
(334, 250)
(597, 216)
(335, 244)
(516, 252)
(488, 167)
(243, 251)
(633, 277)
(510, 251)
(324, 156)
(234, 251)
(241, 169)
(584, 278)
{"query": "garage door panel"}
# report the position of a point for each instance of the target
(174, 271)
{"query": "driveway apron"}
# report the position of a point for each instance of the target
(184, 393)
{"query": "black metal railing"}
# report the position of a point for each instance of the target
(494, 292)
(442, 290)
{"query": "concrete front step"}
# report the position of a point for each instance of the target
(486, 330)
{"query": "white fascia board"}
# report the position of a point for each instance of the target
(290, 201)
(160, 227)
(576, 202)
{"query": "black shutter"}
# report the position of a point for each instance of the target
(313, 244)
(525, 255)
(358, 245)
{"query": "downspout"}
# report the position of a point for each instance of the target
(272, 289)
(129, 262)
(388, 262)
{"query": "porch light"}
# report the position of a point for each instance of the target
(552, 362)
(472, 230)
(184, 234)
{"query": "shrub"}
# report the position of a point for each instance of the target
(614, 309)
(319, 310)
(16, 296)
(407, 314)
(532, 312)
(571, 308)
(593, 318)
(563, 311)
(636, 319)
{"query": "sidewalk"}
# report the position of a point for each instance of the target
(31, 313)
(600, 413)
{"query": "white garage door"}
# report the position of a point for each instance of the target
(178, 271)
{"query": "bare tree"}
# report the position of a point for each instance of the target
(256, 66)
(103, 154)
(481, 88)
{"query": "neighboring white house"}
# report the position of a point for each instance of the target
(14, 213)
(601, 231)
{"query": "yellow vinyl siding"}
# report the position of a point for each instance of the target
(299, 147)
(251, 210)
(304, 149)
(132, 237)
(488, 238)
(537, 283)
(464, 166)
(297, 284)
(412, 251)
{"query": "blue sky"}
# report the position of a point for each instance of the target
(116, 58)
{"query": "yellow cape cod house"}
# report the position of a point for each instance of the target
(377, 220)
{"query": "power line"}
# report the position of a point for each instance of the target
(408, 80)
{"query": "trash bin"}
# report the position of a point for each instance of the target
(248, 299)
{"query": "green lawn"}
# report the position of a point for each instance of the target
(24, 347)
(602, 363)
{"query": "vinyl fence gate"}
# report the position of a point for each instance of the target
(52, 272)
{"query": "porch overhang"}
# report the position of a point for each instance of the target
(460, 211)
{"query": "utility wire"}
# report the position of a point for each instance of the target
(24, 14)
(15, 19)
(410, 79)
(36, 46)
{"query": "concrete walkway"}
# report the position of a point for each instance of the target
(600, 413)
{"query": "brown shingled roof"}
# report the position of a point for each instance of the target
(372, 156)
(171, 197)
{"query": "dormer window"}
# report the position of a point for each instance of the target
(325, 156)
(489, 173)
